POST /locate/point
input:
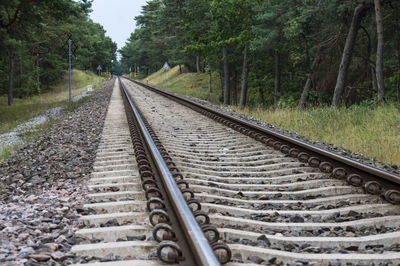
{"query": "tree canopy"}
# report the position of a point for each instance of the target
(293, 49)
(33, 37)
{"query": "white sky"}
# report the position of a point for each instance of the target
(117, 17)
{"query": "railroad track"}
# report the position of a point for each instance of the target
(259, 197)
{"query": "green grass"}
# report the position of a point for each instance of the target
(6, 151)
(21, 111)
(24, 109)
(372, 131)
(189, 84)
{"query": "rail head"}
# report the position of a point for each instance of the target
(364, 168)
(201, 248)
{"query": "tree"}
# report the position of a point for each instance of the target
(284, 53)
(32, 34)
(307, 86)
(270, 20)
(358, 15)
(277, 83)
(245, 72)
(227, 90)
(379, 51)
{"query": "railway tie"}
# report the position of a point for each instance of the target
(178, 182)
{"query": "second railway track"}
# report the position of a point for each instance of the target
(268, 207)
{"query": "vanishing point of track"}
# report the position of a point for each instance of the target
(258, 196)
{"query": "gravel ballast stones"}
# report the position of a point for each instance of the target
(12, 137)
(43, 186)
(330, 147)
(250, 190)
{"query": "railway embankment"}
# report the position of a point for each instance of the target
(43, 184)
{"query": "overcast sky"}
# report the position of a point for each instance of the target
(117, 17)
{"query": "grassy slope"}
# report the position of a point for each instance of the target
(187, 84)
(24, 109)
(372, 131)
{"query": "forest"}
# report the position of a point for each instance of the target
(34, 40)
(276, 53)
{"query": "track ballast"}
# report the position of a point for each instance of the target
(266, 205)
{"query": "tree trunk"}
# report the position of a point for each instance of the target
(277, 85)
(398, 70)
(358, 15)
(11, 78)
(304, 94)
(234, 88)
(227, 94)
(38, 73)
(243, 87)
(221, 83)
(397, 32)
(371, 67)
(21, 72)
(198, 64)
(373, 79)
(307, 86)
(261, 92)
(180, 69)
(210, 81)
(373, 74)
(379, 51)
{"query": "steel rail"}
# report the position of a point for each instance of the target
(367, 169)
(204, 254)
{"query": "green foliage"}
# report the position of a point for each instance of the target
(391, 85)
(287, 102)
(320, 98)
(301, 31)
(37, 37)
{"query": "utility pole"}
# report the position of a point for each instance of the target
(98, 70)
(70, 51)
(69, 68)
